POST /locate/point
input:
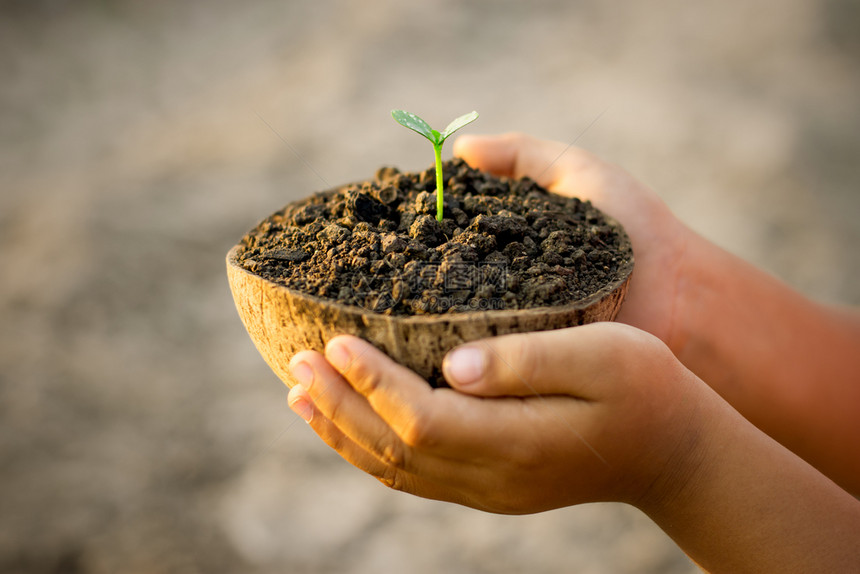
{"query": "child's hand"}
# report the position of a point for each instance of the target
(602, 412)
(606, 412)
(788, 364)
(659, 238)
(542, 421)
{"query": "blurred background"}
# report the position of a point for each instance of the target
(140, 431)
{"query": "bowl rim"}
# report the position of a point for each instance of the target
(626, 271)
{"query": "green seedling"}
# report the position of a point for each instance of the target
(415, 123)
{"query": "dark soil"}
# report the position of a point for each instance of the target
(502, 244)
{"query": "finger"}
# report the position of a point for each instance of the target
(519, 155)
(574, 361)
(301, 402)
(332, 397)
(496, 154)
(445, 480)
(436, 425)
(404, 400)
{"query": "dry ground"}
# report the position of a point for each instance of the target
(140, 432)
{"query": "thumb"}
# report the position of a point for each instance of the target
(514, 155)
(563, 361)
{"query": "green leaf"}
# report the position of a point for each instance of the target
(459, 123)
(413, 122)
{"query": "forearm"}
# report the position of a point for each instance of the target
(788, 364)
(741, 502)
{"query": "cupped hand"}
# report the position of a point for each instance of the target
(659, 238)
(533, 422)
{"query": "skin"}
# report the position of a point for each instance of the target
(620, 412)
(728, 322)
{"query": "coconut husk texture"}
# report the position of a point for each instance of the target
(285, 312)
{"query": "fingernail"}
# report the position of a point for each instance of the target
(338, 356)
(303, 373)
(464, 365)
(301, 406)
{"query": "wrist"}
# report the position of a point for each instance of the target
(687, 285)
(680, 457)
(741, 502)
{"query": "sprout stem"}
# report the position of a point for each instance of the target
(437, 149)
(418, 125)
